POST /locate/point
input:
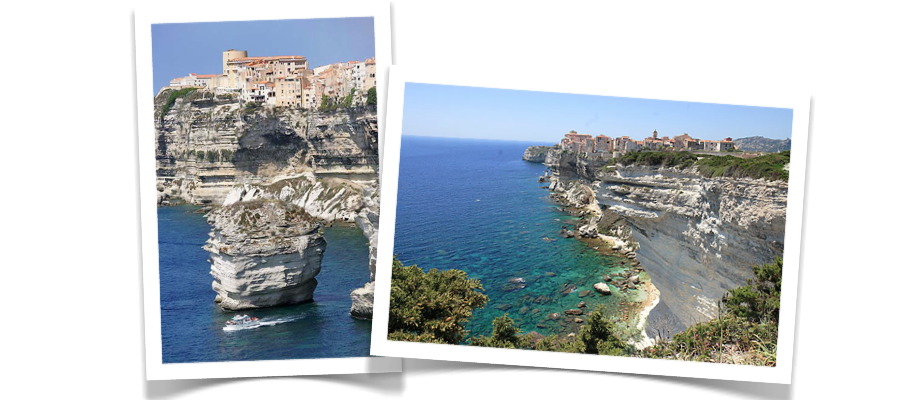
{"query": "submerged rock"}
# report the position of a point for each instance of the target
(264, 253)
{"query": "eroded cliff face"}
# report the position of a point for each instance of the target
(329, 200)
(696, 237)
(536, 154)
(220, 153)
(263, 253)
(206, 147)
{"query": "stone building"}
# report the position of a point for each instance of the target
(285, 81)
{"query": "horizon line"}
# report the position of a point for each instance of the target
(469, 138)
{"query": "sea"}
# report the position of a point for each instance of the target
(475, 205)
(192, 325)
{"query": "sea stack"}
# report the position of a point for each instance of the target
(264, 253)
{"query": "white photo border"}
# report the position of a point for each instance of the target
(143, 20)
(635, 87)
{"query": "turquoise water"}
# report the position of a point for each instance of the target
(475, 205)
(192, 326)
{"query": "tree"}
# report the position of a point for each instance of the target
(758, 301)
(504, 334)
(349, 99)
(372, 95)
(326, 104)
(431, 306)
(598, 336)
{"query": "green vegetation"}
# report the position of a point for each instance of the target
(171, 99)
(679, 159)
(327, 104)
(745, 332)
(226, 155)
(431, 306)
(596, 337)
(251, 107)
(770, 166)
(504, 334)
(349, 99)
(372, 96)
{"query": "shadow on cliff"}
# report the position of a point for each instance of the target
(266, 140)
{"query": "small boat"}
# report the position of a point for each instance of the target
(242, 320)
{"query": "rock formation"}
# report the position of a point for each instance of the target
(212, 150)
(696, 237)
(263, 253)
(536, 154)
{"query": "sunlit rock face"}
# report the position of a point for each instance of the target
(697, 237)
(264, 253)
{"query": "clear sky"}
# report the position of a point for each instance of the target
(483, 113)
(180, 49)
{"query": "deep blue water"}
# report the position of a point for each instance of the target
(476, 206)
(192, 325)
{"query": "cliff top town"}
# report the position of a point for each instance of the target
(603, 146)
(285, 80)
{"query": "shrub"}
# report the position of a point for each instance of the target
(597, 337)
(431, 306)
(171, 99)
(372, 96)
(770, 166)
(748, 328)
(505, 334)
(349, 99)
(251, 107)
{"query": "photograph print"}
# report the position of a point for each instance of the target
(265, 143)
(626, 228)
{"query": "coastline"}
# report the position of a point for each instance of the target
(645, 306)
(642, 300)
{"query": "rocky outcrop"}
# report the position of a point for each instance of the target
(362, 301)
(213, 150)
(696, 237)
(329, 200)
(264, 253)
(536, 154)
(206, 147)
(568, 164)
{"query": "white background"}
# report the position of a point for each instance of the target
(72, 289)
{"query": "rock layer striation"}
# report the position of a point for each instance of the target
(213, 150)
(696, 237)
(263, 253)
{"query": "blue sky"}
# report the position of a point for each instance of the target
(483, 113)
(180, 49)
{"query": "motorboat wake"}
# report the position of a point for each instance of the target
(243, 322)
